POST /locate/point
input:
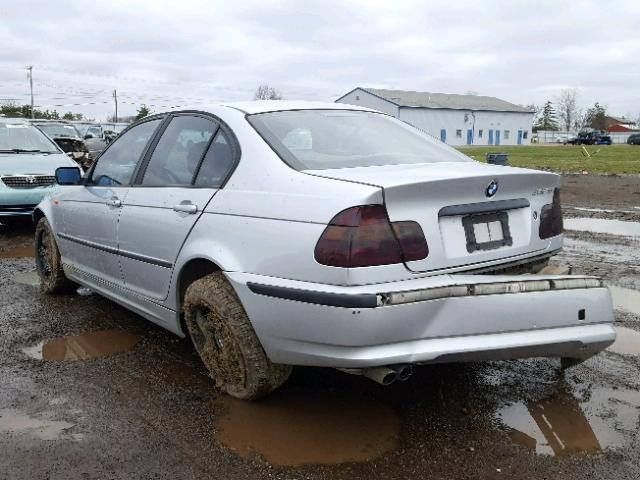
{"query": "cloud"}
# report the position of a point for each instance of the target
(163, 53)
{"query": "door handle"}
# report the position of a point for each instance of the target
(186, 207)
(114, 202)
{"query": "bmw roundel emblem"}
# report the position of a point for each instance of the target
(492, 188)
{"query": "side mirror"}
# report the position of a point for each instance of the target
(88, 136)
(68, 176)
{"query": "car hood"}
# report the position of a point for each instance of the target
(33, 163)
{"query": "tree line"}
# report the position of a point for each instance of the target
(564, 114)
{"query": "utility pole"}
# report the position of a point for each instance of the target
(115, 100)
(30, 68)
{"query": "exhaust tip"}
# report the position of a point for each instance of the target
(382, 375)
(403, 372)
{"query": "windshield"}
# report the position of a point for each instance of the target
(324, 139)
(59, 130)
(24, 137)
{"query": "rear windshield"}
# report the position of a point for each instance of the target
(324, 139)
(59, 130)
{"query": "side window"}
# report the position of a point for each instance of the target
(116, 165)
(217, 163)
(94, 132)
(176, 158)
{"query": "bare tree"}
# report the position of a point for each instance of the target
(567, 103)
(265, 92)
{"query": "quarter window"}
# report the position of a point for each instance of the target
(116, 165)
(177, 156)
(216, 164)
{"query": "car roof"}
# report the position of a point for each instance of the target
(17, 121)
(262, 106)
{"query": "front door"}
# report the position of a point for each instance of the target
(497, 137)
(519, 137)
(88, 231)
(469, 137)
(443, 135)
(172, 189)
(490, 137)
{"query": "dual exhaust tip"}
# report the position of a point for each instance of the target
(388, 375)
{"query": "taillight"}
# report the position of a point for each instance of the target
(551, 217)
(363, 237)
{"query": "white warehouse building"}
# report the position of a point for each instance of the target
(454, 119)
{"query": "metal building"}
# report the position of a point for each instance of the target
(454, 119)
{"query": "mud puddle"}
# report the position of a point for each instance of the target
(13, 422)
(563, 425)
(27, 278)
(84, 346)
(17, 252)
(308, 427)
(601, 225)
(627, 342)
(626, 299)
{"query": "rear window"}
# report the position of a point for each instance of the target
(325, 139)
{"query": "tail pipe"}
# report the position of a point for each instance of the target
(382, 375)
(387, 375)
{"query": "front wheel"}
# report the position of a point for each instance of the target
(48, 263)
(226, 342)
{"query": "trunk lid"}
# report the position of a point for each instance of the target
(450, 199)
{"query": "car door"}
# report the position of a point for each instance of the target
(88, 230)
(178, 178)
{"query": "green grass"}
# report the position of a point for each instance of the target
(567, 158)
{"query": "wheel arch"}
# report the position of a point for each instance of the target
(192, 270)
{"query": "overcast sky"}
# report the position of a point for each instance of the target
(199, 51)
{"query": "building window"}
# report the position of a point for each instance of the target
(357, 97)
(525, 134)
(458, 133)
(480, 133)
(506, 134)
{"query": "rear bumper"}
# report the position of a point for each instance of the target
(428, 320)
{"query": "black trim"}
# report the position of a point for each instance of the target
(345, 300)
(483, 207)
(117, 251)
(17, 208)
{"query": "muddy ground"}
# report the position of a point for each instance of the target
(90, 390)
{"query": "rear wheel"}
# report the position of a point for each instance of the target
(48, 263)
(226, 342)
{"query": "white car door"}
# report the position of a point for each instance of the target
(175, 183)
(88, 231)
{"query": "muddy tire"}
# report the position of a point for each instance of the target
(226, 342)
(48, 263)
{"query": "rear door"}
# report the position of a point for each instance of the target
(88, 231)
(176, 181)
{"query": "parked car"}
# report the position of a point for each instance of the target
(94, 137)
(634, 139)
(113, 129)
(67, 138)
(28, 161)
(319, 234)
(591, 138)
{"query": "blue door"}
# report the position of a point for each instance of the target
(443, 135)
(497, 137)
(469, 137)
(519, 137)
(490, 137)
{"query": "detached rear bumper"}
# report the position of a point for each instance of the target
(434, 319)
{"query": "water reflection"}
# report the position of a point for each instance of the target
(298, 427)
(601, 225)
(626, 299)
(84, 346)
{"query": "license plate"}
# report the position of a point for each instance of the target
(487, 231)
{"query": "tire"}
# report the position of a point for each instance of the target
(226, 342)
(48, 263)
